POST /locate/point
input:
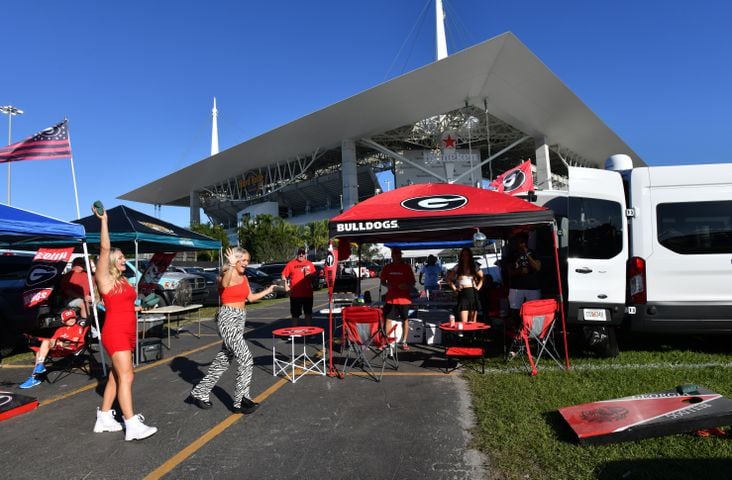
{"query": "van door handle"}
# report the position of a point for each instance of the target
(583, 270)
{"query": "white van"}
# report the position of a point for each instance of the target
(680, 267)
(649, 246)
(593, 251)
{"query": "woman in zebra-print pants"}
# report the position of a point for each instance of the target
(235, 292)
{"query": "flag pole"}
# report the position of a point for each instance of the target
(73, 172)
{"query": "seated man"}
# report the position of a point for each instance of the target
(67, 337)
(75, 288)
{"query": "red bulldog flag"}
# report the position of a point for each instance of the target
(330, 266)
(515, 181)
(155, 269)
(47, 267)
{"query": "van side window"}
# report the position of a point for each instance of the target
(595, 228)
(695, 228)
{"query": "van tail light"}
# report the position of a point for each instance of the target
(637, 291)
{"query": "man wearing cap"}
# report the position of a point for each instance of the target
(75, 288)
(67, 337)
(298, 278)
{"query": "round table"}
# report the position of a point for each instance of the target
(295, 366)
(464, 327)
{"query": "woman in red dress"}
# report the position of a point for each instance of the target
(118, 337)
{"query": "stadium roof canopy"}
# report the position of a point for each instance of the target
(500, 77)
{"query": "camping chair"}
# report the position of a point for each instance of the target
(537, 327)
(62, 361)
(366, 337)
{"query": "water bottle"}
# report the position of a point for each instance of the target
(452, 320)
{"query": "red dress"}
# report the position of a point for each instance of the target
(119, 332)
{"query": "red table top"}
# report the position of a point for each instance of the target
(297, 331)
(467, 327)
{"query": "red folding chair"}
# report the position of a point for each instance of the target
(537, 328)
(62, 360)
(365, 336)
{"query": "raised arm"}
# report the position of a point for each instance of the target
(104, 279)
(228, 274)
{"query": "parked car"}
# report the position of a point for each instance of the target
(254, 275)
(212, 282)
(15, 318)
(175, 288)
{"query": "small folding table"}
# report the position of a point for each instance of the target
(464, 355)
(295, 366)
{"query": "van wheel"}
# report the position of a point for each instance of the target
(602, 340)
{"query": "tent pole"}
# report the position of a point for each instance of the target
(137, 290)
(358, 275)
(94, 306)
(561, 293)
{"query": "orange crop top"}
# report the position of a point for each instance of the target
(235, 293)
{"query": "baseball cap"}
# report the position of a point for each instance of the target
(300, 251)
(68, 314)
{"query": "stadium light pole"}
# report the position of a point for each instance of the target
(10, 110)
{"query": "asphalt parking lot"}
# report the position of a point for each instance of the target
(414, 424)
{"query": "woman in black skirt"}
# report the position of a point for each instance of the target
(466, 280)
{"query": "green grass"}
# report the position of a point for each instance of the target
(520, 430)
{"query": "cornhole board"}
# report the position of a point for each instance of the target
(12, 404)
(679, 410)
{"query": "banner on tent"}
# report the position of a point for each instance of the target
(48, 265)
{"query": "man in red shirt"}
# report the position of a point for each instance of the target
(75, 288)
(68, 337)
(399, 280)
(298, 278)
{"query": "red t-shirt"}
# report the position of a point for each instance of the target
(400, 278)
(296, 271)
(74, 333)
(75, 284)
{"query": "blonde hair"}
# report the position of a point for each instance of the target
(239, 252)
(114, 272)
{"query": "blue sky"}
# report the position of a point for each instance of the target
(136, 79)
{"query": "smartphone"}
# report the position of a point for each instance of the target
(98, 207)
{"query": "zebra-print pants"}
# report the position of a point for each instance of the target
(231, 328)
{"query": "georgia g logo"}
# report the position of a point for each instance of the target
(513, 181)
(329, 259)
(435, 203)
(39, 274)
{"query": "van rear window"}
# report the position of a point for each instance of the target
(595, 228)
(695, 228)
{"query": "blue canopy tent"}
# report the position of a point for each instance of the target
(21, 228)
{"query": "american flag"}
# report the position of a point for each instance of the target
(47, 144)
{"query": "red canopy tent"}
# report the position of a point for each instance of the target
(441, 211)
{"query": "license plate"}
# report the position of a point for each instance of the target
(594, 314)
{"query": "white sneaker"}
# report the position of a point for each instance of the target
(106, 422)
(136, 430)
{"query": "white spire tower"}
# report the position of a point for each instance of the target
(214, 130)
(440, 30)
